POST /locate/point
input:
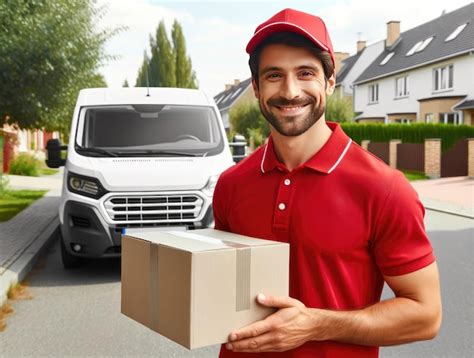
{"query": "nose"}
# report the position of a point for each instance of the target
(290, 88)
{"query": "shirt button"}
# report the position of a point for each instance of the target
(287, 182)
(281, 206)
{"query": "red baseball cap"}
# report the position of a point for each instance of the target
(302, 23)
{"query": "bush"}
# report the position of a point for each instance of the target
(25, 164)
(408, 133)
(246, 119)
(339, 109)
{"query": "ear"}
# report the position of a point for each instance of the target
(330, 85)
(255, 88)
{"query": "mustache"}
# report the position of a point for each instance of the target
(280, 101)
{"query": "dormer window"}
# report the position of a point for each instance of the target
(387, 58)
(420, 46)
(456, 32)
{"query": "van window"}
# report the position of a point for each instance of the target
(149, 130)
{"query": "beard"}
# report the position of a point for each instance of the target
(292, 126)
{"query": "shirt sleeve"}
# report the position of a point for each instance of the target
(401, 244)
(218, 207)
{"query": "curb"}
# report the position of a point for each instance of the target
(19, 268)
(447, 208)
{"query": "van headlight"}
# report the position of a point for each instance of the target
(210, 186)
(84, 185)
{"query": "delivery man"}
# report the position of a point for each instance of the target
(352, 222)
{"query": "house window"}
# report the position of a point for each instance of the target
(450, 118)
(402, 120)
(429, 117)
(374, 93)
(419, 46)
(456, 32)
(401, 87)
(387, 58)
(443, 78)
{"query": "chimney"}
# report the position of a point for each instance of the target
(393, 33)
(339, 57)
(228, 87)
(361, 45)
(236, 82)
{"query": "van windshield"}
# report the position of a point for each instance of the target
(148, 130)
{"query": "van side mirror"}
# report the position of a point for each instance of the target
(53, 153)
(238, 145)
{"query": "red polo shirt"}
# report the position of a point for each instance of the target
(348, 217)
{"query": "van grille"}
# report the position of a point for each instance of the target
(154, 208)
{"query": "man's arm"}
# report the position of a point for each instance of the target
(414, 314)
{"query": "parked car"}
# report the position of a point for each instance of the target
(137, 158)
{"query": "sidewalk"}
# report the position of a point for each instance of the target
(451, 195)
(24, 238)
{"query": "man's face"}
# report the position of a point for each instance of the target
(292, 89)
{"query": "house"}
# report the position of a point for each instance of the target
(353, 66)
(425, 74)
(234, 94)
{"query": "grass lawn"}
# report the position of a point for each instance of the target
(47, 171)
(14, 201)
(413, 175)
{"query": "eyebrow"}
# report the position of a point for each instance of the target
(302, 67)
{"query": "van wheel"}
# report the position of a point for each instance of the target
(69, 261)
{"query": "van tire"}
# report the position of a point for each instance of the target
(69, 261)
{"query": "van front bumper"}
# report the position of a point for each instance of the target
(82, 225)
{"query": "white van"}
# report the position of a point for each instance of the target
(137, 157)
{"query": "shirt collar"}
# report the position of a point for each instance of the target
(325, 160)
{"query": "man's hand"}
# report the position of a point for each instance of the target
(288, 328)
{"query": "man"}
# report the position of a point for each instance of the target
(351, 221)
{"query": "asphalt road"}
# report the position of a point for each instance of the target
(77, 313)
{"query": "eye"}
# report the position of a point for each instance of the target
(306, 73)
(273, 76)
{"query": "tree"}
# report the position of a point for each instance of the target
(143, 72)
(169, 65)
(185, 76)
(162, 63)
(125, 83)
(49, 50)
(247, 119)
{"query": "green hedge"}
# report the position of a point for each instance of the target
(408, 133)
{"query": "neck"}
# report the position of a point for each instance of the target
(294, 151)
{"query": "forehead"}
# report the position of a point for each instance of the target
(279, 55)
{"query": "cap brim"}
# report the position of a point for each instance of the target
(275, 27)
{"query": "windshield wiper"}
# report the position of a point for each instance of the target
(96, 150)
(158, 152)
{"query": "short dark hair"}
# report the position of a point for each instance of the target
(294, 40)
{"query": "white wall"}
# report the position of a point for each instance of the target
(366, 58)
(421, 86)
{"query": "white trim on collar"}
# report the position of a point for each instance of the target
(263, 158)
(341, 156)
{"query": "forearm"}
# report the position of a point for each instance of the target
(395, 321)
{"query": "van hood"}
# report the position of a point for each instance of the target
(153, 174)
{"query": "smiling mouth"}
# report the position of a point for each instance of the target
(291, 109)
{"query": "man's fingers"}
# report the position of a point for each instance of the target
(254, 330)
(253, 344)
(277, 301)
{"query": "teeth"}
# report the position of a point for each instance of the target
(289, 109)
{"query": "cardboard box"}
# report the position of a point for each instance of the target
(195, 287)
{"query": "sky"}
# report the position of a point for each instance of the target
(217, 32)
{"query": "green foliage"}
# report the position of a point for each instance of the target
(4, 182)
(14, 201)
(339, 109)
(247, 119)
(169, 66)
(125, 84)
(408, 133)
(185, 76)
(25, 164)
(49, 50)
